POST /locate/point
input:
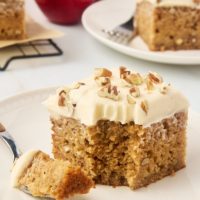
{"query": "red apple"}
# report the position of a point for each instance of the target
(63, 11)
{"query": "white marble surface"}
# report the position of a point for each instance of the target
(81, 54)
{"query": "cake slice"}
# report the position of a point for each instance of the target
(169, 24)
(122, 127)
(12, 19)
(44, 177)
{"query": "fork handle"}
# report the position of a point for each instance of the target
(10, 142)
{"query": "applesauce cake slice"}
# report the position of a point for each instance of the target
(122, 127)
(44, 177)
(169, 24)
(12, 19)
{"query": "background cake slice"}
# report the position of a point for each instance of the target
(12, 19)
(44, 177)
(169, 24)
(122, 127)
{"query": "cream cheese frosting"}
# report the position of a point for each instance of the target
(144, 102)
(20, 166)
(160, 3)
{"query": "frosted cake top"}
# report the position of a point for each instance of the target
(119, 95)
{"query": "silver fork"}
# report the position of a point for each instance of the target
(122, 34)
(11, 144)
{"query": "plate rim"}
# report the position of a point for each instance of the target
(26, 93)
(136, 53)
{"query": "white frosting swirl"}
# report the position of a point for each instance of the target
(90, 107)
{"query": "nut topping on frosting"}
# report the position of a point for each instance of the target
(65, 101)
(78, 85)
(102, 72)
(109, 92)
(63, 95)
(131, 78)
(125, 96)
(124, 72)
(149, 84)
(134, 79)
(124, 83)
(134, 91)
(144, 106)
(102, 81)
(155, 78)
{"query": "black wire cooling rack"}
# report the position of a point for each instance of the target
(35, 49)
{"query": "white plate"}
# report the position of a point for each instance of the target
(28, 121)
(108, 14)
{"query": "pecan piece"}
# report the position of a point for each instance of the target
(134, 91)
(123, 72)
(149, 85)
(134, 79)
(109, 92)
(102, 81)
(102, 72)
(77, 85)
(62, 98)
(144, 106)
(155, 77)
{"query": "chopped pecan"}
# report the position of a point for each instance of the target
(131, 78)
(123, 72)
(149, 85)
(124, 83)
(144, 106)
(64, 101)
(62, 98)
(102, 72)
(109, 92)
(155, 77)
(102, 81)
(63, 95)
(134, 91)
(134, 79)
(78, 85)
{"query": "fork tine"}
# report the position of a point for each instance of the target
(122, 34)
(118, 34)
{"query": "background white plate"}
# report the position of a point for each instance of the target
(108, 14)
(28, 121)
